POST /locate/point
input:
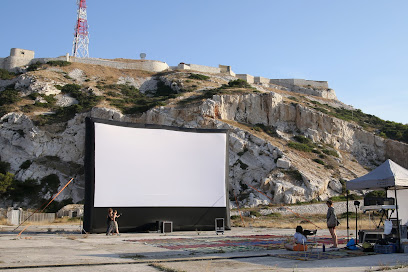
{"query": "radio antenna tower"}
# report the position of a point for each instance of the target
(81, 38)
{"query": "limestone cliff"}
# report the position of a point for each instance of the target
(262, 123)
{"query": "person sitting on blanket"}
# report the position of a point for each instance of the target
(299, 241)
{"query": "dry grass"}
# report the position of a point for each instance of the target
(66, 220)
(3, 221)
(291, 221)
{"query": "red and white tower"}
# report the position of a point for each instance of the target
(81, 38)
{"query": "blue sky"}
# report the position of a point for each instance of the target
(359, 47)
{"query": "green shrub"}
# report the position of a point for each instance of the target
(255, 213)
(330, 152)
(350, 215)
(257, 128)
(129, 91)
(275, 215)
(29, 189)
(244, 186)
(344, 198)
(239, 83)
(62, 114)
(300, 146)
(294, 173)
(343, 186)
(303, 139)
(50, 183)
(4, 167)
(378, 193)
(163, 90)
(71, 88)
(6, 181)
(9, 96)
(34, 66)
(242, 165)
(58, 63)
(242, 152)
(25, 165)
(271, 131)
(86, 100)
(4, 74)
(319, 161)
(50, 101)
(55, 206)
(198, 77)
(234, 217)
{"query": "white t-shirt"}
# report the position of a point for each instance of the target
(299, 238)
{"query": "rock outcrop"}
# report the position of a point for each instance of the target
(263, 168)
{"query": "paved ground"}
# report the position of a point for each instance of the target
(62, 248)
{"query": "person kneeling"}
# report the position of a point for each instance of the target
(299, 241)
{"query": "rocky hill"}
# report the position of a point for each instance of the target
(285, 146)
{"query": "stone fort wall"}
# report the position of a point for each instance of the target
(21, 57)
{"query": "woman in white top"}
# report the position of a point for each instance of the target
(299, 241)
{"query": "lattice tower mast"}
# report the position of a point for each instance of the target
(81, 38)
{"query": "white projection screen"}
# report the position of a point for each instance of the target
(155, 173)
(158, 168)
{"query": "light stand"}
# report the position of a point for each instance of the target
(356, 204)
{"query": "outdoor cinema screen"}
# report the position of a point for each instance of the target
(156, 168)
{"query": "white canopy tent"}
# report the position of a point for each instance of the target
(390, 177)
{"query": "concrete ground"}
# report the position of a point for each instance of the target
(63, 248)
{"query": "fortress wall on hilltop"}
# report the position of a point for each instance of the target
(199, 68)
(246, 77)
(18, 57)
(148, 65)
(21, 57)
(261, 80)
(300, 82)
(2, 61)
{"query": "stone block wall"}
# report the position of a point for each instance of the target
(21, 57)
(183, 66)
(18, 57)
(148, 65)
(2, 61)
(22, 53)
(300, 82)
(246, 77)
(205, 69)
(226, 69)
(261, 80)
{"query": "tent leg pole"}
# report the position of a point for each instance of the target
(347, 209)
(356, 227)
(398, 224)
